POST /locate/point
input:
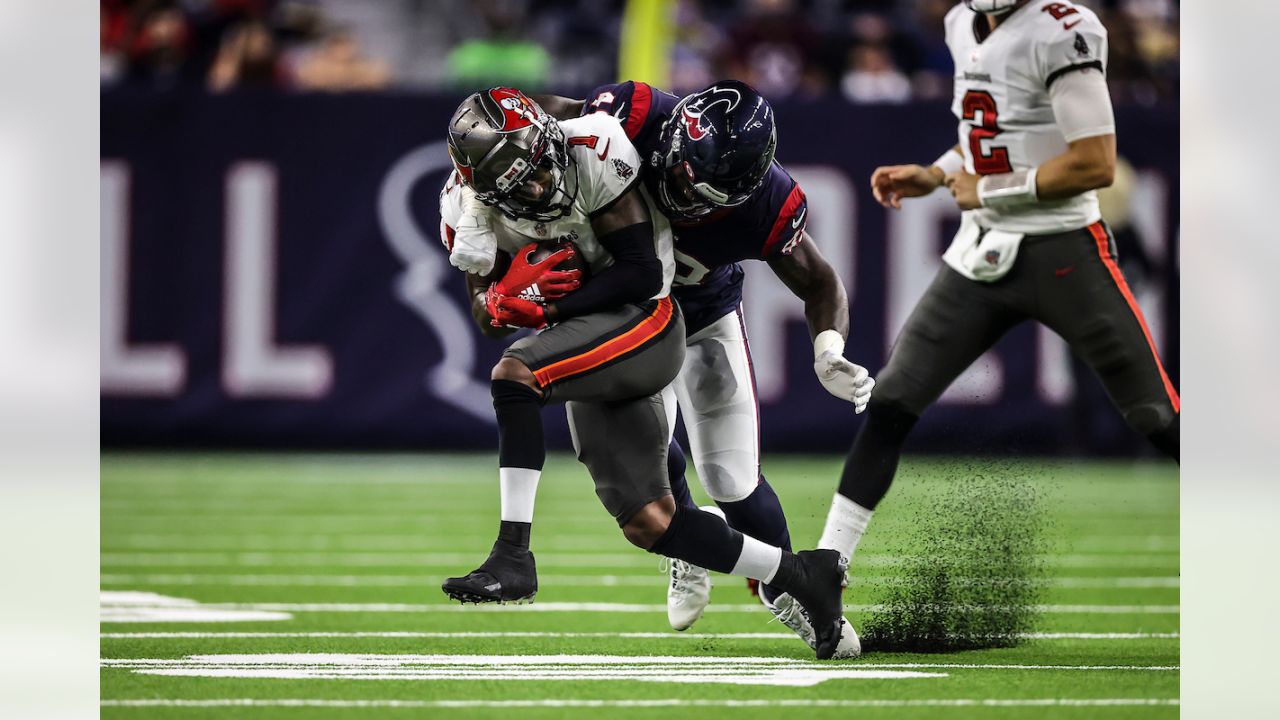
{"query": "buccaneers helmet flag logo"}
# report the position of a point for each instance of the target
(517, 110)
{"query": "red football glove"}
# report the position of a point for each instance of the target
(551, 282)
(517, 312)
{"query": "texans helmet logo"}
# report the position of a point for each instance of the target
(691, 113)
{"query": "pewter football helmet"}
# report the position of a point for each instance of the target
(499, 140)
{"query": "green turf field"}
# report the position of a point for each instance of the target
(308, 587)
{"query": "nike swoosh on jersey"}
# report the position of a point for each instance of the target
(799, 218)
(605, 154)
(1068, 26)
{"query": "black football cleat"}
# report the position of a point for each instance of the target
(509, 575)
(818, 592)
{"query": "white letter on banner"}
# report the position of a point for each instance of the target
(253, 365)
(155, 370)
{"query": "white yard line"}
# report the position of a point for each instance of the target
(618, 635)
(608, 607)
(645, 703)
(259, 541)
(648, 580)
(734, 670)
(560, 668)
(318, 558)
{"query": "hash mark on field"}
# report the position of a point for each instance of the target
(646, 703)
(134, 607)
(536, 634)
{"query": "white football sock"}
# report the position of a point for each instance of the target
(517, 488)
(758, 560)
(846, 522)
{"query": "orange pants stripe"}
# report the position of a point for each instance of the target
(1099, 233)
(634, 339)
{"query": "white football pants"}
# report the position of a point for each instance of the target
(716, 391)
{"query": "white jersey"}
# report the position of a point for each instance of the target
(1002, 101)
(603, 165)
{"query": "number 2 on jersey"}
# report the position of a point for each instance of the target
(995, 159)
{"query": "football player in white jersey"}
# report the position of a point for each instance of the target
(523, 179)
(1037, 137)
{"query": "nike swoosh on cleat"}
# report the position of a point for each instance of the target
(494, 587)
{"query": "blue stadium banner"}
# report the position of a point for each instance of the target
(272, 276)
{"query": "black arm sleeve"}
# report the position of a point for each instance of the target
(634, 276)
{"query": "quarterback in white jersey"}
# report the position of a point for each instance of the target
(1036, 138)
(1004, 99)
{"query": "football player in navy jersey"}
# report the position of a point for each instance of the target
(709, 163)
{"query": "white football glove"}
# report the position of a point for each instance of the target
(847, 381)
(475, 246)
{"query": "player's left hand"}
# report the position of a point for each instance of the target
(964, 188)
(844, 379)
(517, 312)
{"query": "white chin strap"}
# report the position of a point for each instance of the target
(990, 6)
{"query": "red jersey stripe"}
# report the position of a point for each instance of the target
(783, 228)
(641, 97)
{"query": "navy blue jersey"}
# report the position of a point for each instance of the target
(708, 281)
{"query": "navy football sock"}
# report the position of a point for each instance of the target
(676, 466)
(515, 533)
(760, 516)
(520, 443)
(701, 539)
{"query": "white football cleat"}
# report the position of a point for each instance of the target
(689, 590)
(788, 612)
(688, 594)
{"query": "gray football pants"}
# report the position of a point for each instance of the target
(610, 369)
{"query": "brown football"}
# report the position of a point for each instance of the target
(577, 262)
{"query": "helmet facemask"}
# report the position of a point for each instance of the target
(549, 167)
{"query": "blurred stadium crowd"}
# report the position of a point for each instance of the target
(868, 51)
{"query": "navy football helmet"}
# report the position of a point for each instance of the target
(715, 149)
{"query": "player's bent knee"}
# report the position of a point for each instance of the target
(724, 483)
(509, 368)
(1150, 419)
(1167, 439)
(891, 419)
(896, 396)
(650, 523)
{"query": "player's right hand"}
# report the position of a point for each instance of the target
(844, 379)
(524, 274)
(891, 183)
